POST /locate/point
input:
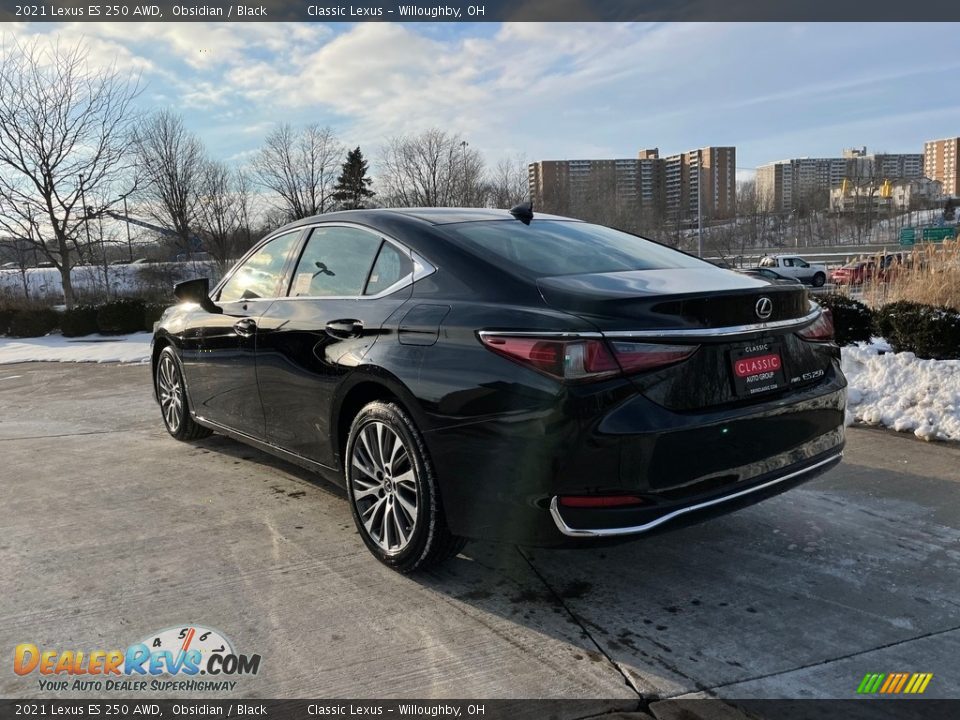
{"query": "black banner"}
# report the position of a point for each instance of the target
(477, 11)
(305, 709)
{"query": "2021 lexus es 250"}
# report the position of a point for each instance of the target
(474, 373)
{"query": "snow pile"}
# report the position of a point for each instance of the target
(899, 391)
(133, 348)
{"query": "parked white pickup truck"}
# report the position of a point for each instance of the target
(796, 267)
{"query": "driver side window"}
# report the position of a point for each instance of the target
(260, 276)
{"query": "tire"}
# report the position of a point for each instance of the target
(172, 395)
(393, 491)
(819, 279)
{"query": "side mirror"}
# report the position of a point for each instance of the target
(196, 291)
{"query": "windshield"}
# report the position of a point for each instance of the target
(547, 248)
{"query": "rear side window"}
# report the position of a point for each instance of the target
(390, 268)
(548, 248)
(335, 262)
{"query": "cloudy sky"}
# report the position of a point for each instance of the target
(549, 91)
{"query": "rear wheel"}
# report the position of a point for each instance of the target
(819, 279)
(393, 492)
(172, 394)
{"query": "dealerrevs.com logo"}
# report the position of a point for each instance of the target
(186, 658)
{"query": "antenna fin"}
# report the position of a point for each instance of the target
(523, 212)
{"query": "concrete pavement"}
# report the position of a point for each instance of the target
(113, 531)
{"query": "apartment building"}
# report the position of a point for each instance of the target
(807, 182)
(704, 178)
(940, 163)
(648, 184)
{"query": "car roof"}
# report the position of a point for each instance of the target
(431, 215)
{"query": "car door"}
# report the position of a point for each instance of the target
(221, 374)
(348, 281)
(787, 268)
(802, 269)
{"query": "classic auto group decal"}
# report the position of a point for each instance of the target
(173, 659)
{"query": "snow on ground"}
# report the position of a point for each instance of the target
(901, 392)
(121, 280)
(133, 348)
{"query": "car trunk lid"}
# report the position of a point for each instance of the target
(675, 298)
(743, 328)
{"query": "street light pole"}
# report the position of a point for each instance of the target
(699, 205)
(463, 149)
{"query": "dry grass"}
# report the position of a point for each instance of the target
(930, 275)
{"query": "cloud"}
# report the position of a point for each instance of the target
(550, 89)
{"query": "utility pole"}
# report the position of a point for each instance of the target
(86, 220)
(126, 220)
(86, 226)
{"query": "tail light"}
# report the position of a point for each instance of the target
(585, 359)
(636, 357)
(821, 330)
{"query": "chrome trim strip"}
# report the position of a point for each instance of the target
(636, 529)
(722, 332)
(670, 333)
(566, 334)
(421, 267)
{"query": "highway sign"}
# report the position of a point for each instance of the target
(939, 234)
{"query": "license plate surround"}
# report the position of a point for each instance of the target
(766, 372)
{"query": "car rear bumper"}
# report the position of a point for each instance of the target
(500, 477)
(619, 522)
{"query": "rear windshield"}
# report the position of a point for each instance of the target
(547, 248)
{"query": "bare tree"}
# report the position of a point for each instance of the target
(23, 253)
(222, 211)
(171, 161)
(509, 184)
(432, 169)
(64, 146)
(301, 167)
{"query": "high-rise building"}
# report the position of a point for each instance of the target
(940, 163)
(648, 184)
(705, 178)
(806, 182)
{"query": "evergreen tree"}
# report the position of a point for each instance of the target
(353, 185)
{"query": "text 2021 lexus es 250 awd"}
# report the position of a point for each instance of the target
(473, 373)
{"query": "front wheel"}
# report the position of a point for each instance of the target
(393, 492)
(172, 394)
(819, 279)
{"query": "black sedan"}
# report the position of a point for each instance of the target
(472, 373)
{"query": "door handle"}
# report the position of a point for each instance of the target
(245, 327)
(343, 329)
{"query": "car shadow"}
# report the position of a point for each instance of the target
(801, 580)
(728, 606)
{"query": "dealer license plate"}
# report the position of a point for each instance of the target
(757, 368)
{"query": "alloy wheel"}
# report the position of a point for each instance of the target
(384, 487)
(170, 390)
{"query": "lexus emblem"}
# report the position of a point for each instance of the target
(764, 308)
